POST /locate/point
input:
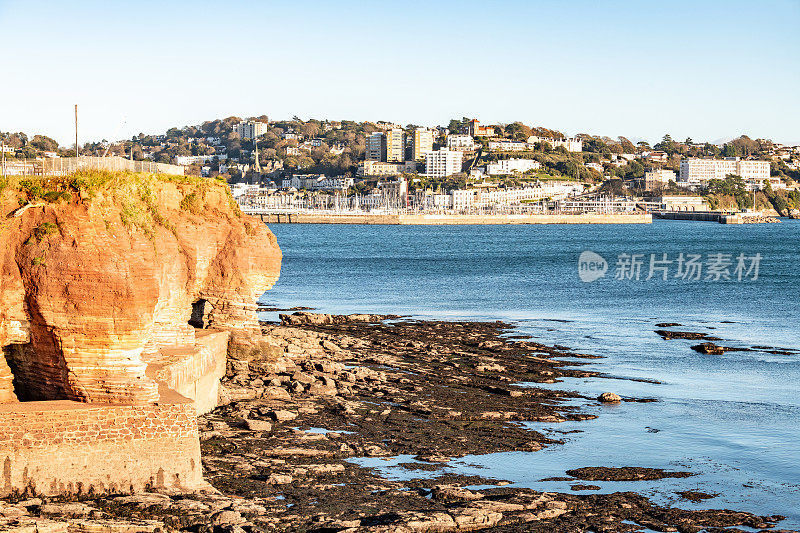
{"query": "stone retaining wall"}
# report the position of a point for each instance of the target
(194, 371)
(58, 447)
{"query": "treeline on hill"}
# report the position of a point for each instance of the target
(342, 147)
(349, 136)
(556, 162)
(732, 193)
(516, 131)
(30, 148)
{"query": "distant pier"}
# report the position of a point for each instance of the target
(703, 216)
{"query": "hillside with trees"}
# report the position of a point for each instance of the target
(337, 147)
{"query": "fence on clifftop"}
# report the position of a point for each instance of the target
(61, 166)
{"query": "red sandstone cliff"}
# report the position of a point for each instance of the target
(95, 281)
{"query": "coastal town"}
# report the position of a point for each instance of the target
(466, 167)
(370, 267)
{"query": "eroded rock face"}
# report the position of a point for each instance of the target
(93, 285)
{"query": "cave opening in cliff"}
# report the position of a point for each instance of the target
(28, 383)
(12, 357)
(200, 310)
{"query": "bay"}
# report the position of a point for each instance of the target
(732, 419)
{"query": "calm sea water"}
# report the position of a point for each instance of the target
(732, 419)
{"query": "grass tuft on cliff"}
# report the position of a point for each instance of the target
(193, 203)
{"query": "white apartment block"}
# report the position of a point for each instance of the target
(508, 146)
(443, 163)
(239, 189)
(293, 181)
(421, 142)
(380, 168)
(547, 190)
(571, 144)
(314, 182)
(511, 166)
(251, 129)
(700, 171)
(334, 184)
(463, 198)
(395, 146)
(658, 179)
(461, 142)
(437, 201)
(552, 190)
(376, 146)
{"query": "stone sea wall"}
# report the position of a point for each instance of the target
(69, 447)
(433, 220)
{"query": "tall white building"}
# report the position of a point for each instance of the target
(376, 147)
(700, 171)
(443, 163)
(421, 142)
(251, 129)
(511, 166)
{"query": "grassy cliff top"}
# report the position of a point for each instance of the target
(88, 182)
(141, 197)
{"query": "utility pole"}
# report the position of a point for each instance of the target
(77, 154)
(3, 159)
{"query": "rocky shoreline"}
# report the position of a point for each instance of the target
(325, 389)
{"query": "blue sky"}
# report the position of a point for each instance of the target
(708, 70)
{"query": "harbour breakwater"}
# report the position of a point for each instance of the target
(447, 219)
(711, 216)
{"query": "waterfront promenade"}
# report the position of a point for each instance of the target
(450, 219)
